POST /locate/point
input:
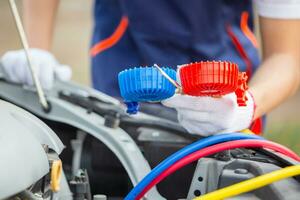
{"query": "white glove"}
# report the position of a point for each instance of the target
(207, 115)
(48, 69)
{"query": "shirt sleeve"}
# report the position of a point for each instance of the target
(280, 9)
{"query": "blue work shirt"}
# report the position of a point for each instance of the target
(131, 33)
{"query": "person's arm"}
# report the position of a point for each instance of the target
(39, 17)
(277, 78)
(279, 75)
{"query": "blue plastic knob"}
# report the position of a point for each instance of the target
(144, 84)
(132, 107)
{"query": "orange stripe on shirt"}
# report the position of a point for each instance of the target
(240, 49)
(111, 40)
(246, 30)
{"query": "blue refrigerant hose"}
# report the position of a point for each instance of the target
(181, 154)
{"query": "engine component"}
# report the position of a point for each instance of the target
(28, 148)
(80, 186)
(78, 117)
(211, 174)
(252, 184)
(55, 175)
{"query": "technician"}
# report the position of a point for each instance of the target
(131, 33)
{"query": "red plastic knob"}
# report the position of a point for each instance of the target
(242, 88)
(213, 79)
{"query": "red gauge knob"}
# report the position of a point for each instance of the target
(242, 88)
(213, 78)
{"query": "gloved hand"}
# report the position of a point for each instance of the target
(207, 115)
(15, 66)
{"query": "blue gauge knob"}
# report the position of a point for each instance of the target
(132, 107)
(144, 84)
